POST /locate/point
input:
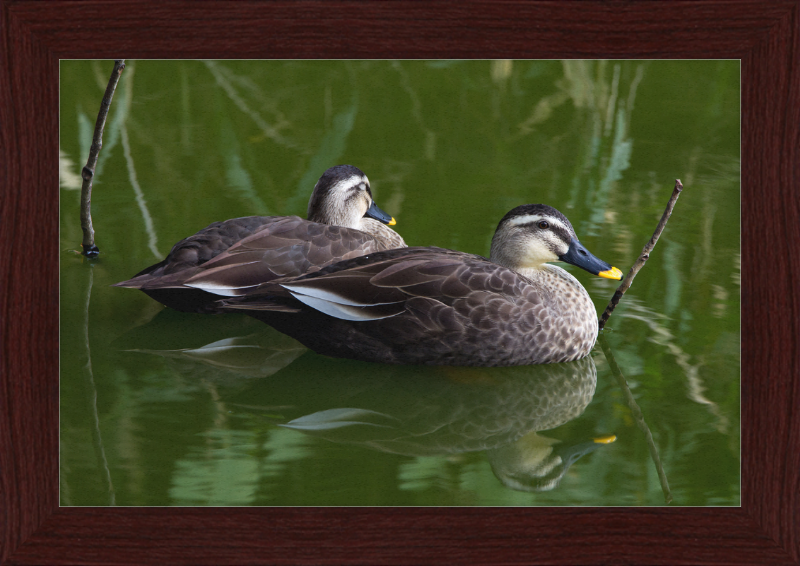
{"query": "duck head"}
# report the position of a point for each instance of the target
(342, 197)
(534, 234)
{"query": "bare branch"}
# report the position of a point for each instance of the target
(87, 173)
(643, 257)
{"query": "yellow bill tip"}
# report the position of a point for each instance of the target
(612, 273)
(605, 439)
(392, 222)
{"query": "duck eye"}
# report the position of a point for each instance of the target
(543, 224)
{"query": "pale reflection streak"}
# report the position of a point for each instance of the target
(584, 91)
(663, 337)
(152, 238)
(611, 113)
(612, 101)
(67, 178)
(416, 111)
(92, 390)
(225, 84)
(622, 145)
(220, 413)
(634, 85)
(629, 101)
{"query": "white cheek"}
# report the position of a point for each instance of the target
(537, 252)
(338, 201)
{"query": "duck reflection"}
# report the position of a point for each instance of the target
(536, 462)
(428, 411)
(222, 349)
(407, 410)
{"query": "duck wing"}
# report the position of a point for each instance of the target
(410, 306)
(230, 257)
(199, 248)
(287, 248)
(369, 280)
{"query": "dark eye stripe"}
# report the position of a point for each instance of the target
(559, 231)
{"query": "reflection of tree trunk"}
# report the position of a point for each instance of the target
(637, 415)
(91, 394)
(87, 173)
(626, 283)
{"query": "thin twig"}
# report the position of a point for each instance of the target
(643, 257)
(637, 415)
(87, 173)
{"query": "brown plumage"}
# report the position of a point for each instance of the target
(228, 257)
(437, 306)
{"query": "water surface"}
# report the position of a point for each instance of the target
(165, 408)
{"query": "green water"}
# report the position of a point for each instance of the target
(154, 411)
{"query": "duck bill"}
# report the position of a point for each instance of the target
(581, 257)
(374, 212)
(571, 453)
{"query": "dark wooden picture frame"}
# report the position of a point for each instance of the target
(765, 36)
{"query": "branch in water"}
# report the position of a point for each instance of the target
(626, 283)
(87, 173)
(636, 412)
